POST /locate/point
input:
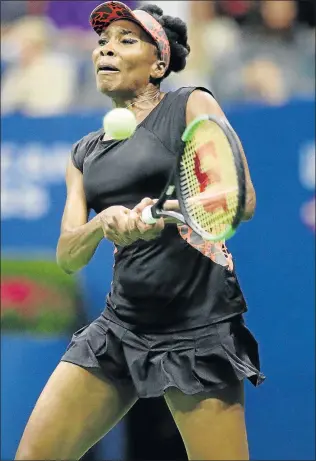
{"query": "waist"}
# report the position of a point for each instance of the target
(169, 281)
(166, 325)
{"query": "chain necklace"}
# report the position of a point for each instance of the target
(142, 100)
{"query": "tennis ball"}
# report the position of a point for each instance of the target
(119, 123)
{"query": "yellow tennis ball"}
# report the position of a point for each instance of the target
(119, 123)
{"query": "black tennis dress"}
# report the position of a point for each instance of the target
(174, 314)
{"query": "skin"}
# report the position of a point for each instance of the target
(212, 425)
(126, 46)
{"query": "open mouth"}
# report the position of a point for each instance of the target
(108, 69)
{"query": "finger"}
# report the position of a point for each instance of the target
(145, 228)
(114, 236)
(126, 228)
(108, 223)
(156, 227)
(171, 205)
(141, 226)
(116, 228)
(131, 225)
(160, 224)
(142, 205)
(121, 223)
(152, 231)
(133, 217)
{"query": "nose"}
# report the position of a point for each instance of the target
(105, 52)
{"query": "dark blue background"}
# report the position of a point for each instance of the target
(274, 256)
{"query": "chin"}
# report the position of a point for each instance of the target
(113, 91)
(107, 87)
(103, 89)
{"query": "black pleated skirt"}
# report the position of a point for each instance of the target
(198, 360)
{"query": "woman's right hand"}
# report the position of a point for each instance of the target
(122, 226)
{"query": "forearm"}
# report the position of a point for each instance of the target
(173, 205)
(76, 247)
(247, 215)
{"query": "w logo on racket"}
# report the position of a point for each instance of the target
(204, 170)
(207, 172)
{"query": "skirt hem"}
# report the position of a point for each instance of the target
(210, 358)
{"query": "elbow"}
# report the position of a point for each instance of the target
(63, 266)
(248, 215)
(250, 206)
(63, 261)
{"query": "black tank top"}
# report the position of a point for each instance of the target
(176, 281)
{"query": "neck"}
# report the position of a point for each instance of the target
(140, 100)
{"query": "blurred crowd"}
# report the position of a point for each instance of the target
(243, 50)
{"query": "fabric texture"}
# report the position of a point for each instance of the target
(197, 360)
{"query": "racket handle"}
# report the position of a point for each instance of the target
(147, 216)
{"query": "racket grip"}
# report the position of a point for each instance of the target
(147, 216)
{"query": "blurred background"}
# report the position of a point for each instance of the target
(258, 57)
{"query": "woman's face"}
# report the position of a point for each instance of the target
(125, 59)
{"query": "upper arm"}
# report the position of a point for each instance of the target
(201, 103)
(76, 210)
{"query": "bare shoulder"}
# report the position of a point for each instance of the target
(201, 102)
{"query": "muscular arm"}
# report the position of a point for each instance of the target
(78, 238)
(200, 103)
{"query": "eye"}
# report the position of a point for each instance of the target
(129, 41)
(102, 42)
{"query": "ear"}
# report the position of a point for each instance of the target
(158, 69)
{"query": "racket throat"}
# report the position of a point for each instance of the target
(170, 191)
(157, 209)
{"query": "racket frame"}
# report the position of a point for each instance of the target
(156, 211)
(241, 179)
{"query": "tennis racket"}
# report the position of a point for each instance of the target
(209, 180)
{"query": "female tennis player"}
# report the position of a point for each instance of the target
(173, 323)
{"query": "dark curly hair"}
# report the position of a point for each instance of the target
(176, 31)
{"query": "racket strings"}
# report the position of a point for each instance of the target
(208, 179)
